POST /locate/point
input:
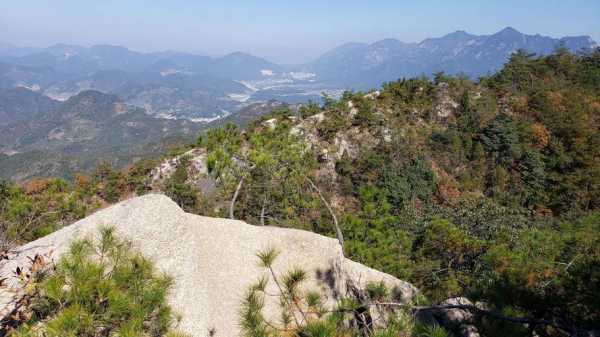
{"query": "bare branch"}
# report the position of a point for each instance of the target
(338, 231)
(235, 196)
(571, 331)
(262, 212)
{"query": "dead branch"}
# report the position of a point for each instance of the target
(338, 231)
(571, 331)
(235, 196)
(262, 212)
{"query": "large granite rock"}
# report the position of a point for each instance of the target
(213, 261)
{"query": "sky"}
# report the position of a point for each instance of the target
(292, 31)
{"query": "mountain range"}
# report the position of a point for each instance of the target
(44, 137)
(167, 84)
(40, 136)
(364, 66)
(65, 108)
(181, 85)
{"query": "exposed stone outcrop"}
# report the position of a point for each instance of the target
(197, 171)
(459, 320)
(270, 123)
(444, 106)
(213, 261)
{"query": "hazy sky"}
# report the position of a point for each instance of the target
(283, 31)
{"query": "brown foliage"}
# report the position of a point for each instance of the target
(448, 187)
(36, 186)
(82, 181)
(448, 190)
(520, 105)
(557, 100)
(542, 135)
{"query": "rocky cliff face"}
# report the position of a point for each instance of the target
(213, 261)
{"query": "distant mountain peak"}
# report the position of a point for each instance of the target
(240, 65)
(458, 34)
(508, 31)
(237, 54)
(457, 52)
(388, 41)
(241, 55)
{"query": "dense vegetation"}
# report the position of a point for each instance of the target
(488, 189)
(98, 289)
(34, 209)
(59, 139)
(306, 313)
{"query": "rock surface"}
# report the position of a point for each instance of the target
(444, 105)
(459, 320)
(213, 261)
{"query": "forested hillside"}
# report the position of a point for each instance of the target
(41, 137)
(488, 190)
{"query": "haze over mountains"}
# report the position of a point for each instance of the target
(363, 66)
(76, 105)
(52, 138)
(40, 136)
(180, 85)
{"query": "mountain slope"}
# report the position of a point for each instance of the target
(20, 105)
(81, 132)
(243, 66)
(163, 91)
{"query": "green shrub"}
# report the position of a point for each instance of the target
(422, 330)
(177, 187)
(102, 288)
(303, 312)
(333, 123)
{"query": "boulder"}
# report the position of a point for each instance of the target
(213, 261)
(458, 320)
(271, 123)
